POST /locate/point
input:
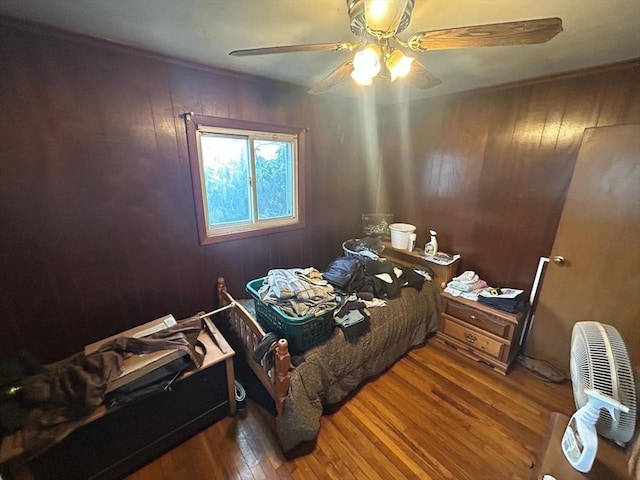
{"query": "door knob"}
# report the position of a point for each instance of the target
(558, 260)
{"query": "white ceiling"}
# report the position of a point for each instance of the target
(596, 32)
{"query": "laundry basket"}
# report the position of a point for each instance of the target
(356, 247)
(302, 333)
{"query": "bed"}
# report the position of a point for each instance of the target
(335, 368)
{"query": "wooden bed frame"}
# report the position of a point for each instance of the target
(301, 393)
(275, 379)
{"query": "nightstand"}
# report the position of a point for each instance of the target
(481, 332)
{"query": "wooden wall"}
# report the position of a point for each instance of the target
(98, 223)
(489, 170)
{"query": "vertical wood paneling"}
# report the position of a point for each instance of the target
(99, 230)
(495, 165)
(97, 209)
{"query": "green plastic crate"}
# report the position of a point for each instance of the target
(302, 333)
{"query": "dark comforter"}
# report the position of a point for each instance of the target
(332, 370)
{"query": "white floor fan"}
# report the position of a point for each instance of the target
(599, 360)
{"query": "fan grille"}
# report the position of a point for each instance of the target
(599, 360)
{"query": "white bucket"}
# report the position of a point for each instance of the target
(401, 234)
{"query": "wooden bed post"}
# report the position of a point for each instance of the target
(283, 378)
(277, 377)
(222, 288)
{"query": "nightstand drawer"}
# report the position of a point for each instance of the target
(481, 332)
(484, 321)
(472, 338)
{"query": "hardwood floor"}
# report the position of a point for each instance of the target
(433, 415)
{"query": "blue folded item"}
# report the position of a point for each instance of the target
(511, 305)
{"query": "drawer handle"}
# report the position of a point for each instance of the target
(470, 338)
(473, 318)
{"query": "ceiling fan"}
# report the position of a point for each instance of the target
(380, 51)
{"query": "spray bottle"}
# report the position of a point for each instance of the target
(431, 247)
(580, 439)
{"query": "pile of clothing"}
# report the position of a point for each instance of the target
(298, 292)
(348, 287)
(372, 278)
(468, 285)
(362, 283)
(47, 402)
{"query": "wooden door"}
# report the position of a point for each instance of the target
(599, 239)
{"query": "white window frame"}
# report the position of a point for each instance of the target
(201, 125)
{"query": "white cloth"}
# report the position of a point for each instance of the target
(471, 295)
(453, 291)
(467, 277)
(376, 302)
(425, 274)
(385, 277)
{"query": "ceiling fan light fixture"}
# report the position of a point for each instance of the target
(366, 62)
(361, 78)
(382, 17)
(378, 23)
(398, 64)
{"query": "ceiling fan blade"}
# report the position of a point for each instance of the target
(332, 79)
(422, 78)
(311, 47)
(490, 35)
(383, 17)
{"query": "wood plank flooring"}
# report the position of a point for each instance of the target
(435, 414)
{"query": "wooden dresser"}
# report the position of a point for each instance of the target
(416, 259)
(481, 332)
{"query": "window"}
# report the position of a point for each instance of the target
(247, 177)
